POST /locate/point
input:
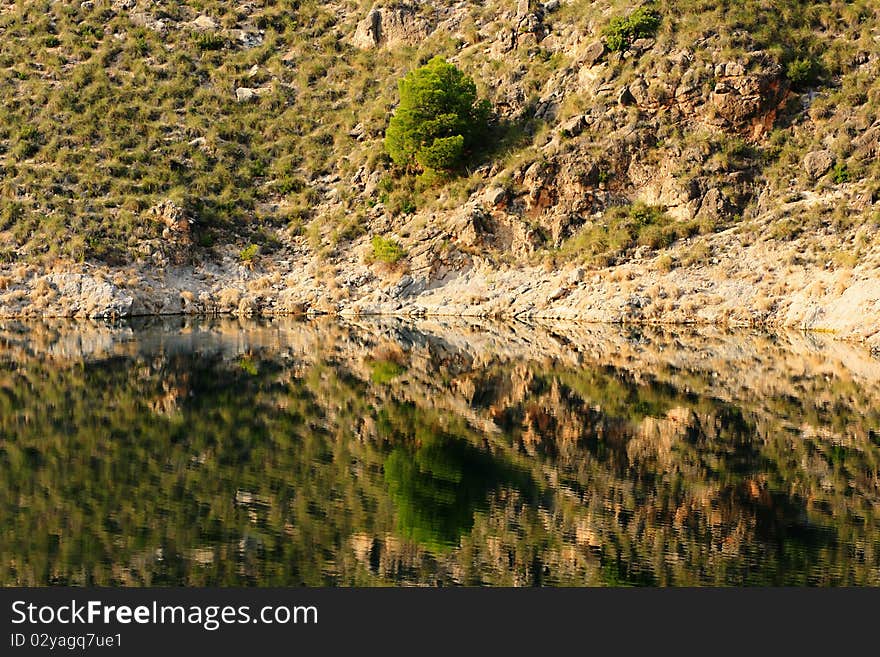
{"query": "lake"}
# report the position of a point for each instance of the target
(377, 451)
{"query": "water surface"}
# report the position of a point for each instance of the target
(314, 453)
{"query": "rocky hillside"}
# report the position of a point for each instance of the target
(717, 163)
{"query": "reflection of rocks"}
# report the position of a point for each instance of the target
(704, 452)
(657, 437)
(168, 403)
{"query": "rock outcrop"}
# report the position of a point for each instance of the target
(394, 25)
(817, 163)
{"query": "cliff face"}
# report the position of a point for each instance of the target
(241, 168)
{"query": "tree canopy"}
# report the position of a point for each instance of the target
(439, 120)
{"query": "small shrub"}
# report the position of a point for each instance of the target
(698, 254)
(786, 229)
(10, 214)
(666, 263)
(290, 185)
(27, 143)
(802, 73)
(209, 41)
(248, 253)
(386, 250)
(623, 30)
(840, 174)
(622, 229)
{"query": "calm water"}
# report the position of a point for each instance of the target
(370, 453)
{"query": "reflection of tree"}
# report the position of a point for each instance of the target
(437, 487)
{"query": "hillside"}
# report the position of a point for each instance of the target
(717, 163)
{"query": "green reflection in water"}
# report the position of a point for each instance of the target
(438, 486)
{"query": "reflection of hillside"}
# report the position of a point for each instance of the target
(285, 452)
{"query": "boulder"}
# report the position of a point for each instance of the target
(573, 126)
(867, 144)
(817, 163)
(715, 205)
(495, 196)
(204, 23)
(472, 226)
(743, 101)
(245, 94)
(575, 276)
(593, 53)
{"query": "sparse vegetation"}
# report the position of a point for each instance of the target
(840, 173)
(248, 253)
(267, 125)
(622, 229)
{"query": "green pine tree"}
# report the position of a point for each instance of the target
(439, 120)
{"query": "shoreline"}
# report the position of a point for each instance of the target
(419, 314)
(843, 304)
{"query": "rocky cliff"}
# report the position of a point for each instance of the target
(256, 180)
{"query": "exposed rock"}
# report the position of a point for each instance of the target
(88, 296)
(642, 45)
(495, 196)
(472, 227)
(747, 101)
(558, 293)
(175, 218)
(573, 126)
(143, 19)
(575, 276)
(715, 205)
(593, 53)
(204, 23)
(369, 30)
(245, 94)
(247, 38)
(531, 30)
(817, 163)
(391, 26)
(867, 144)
